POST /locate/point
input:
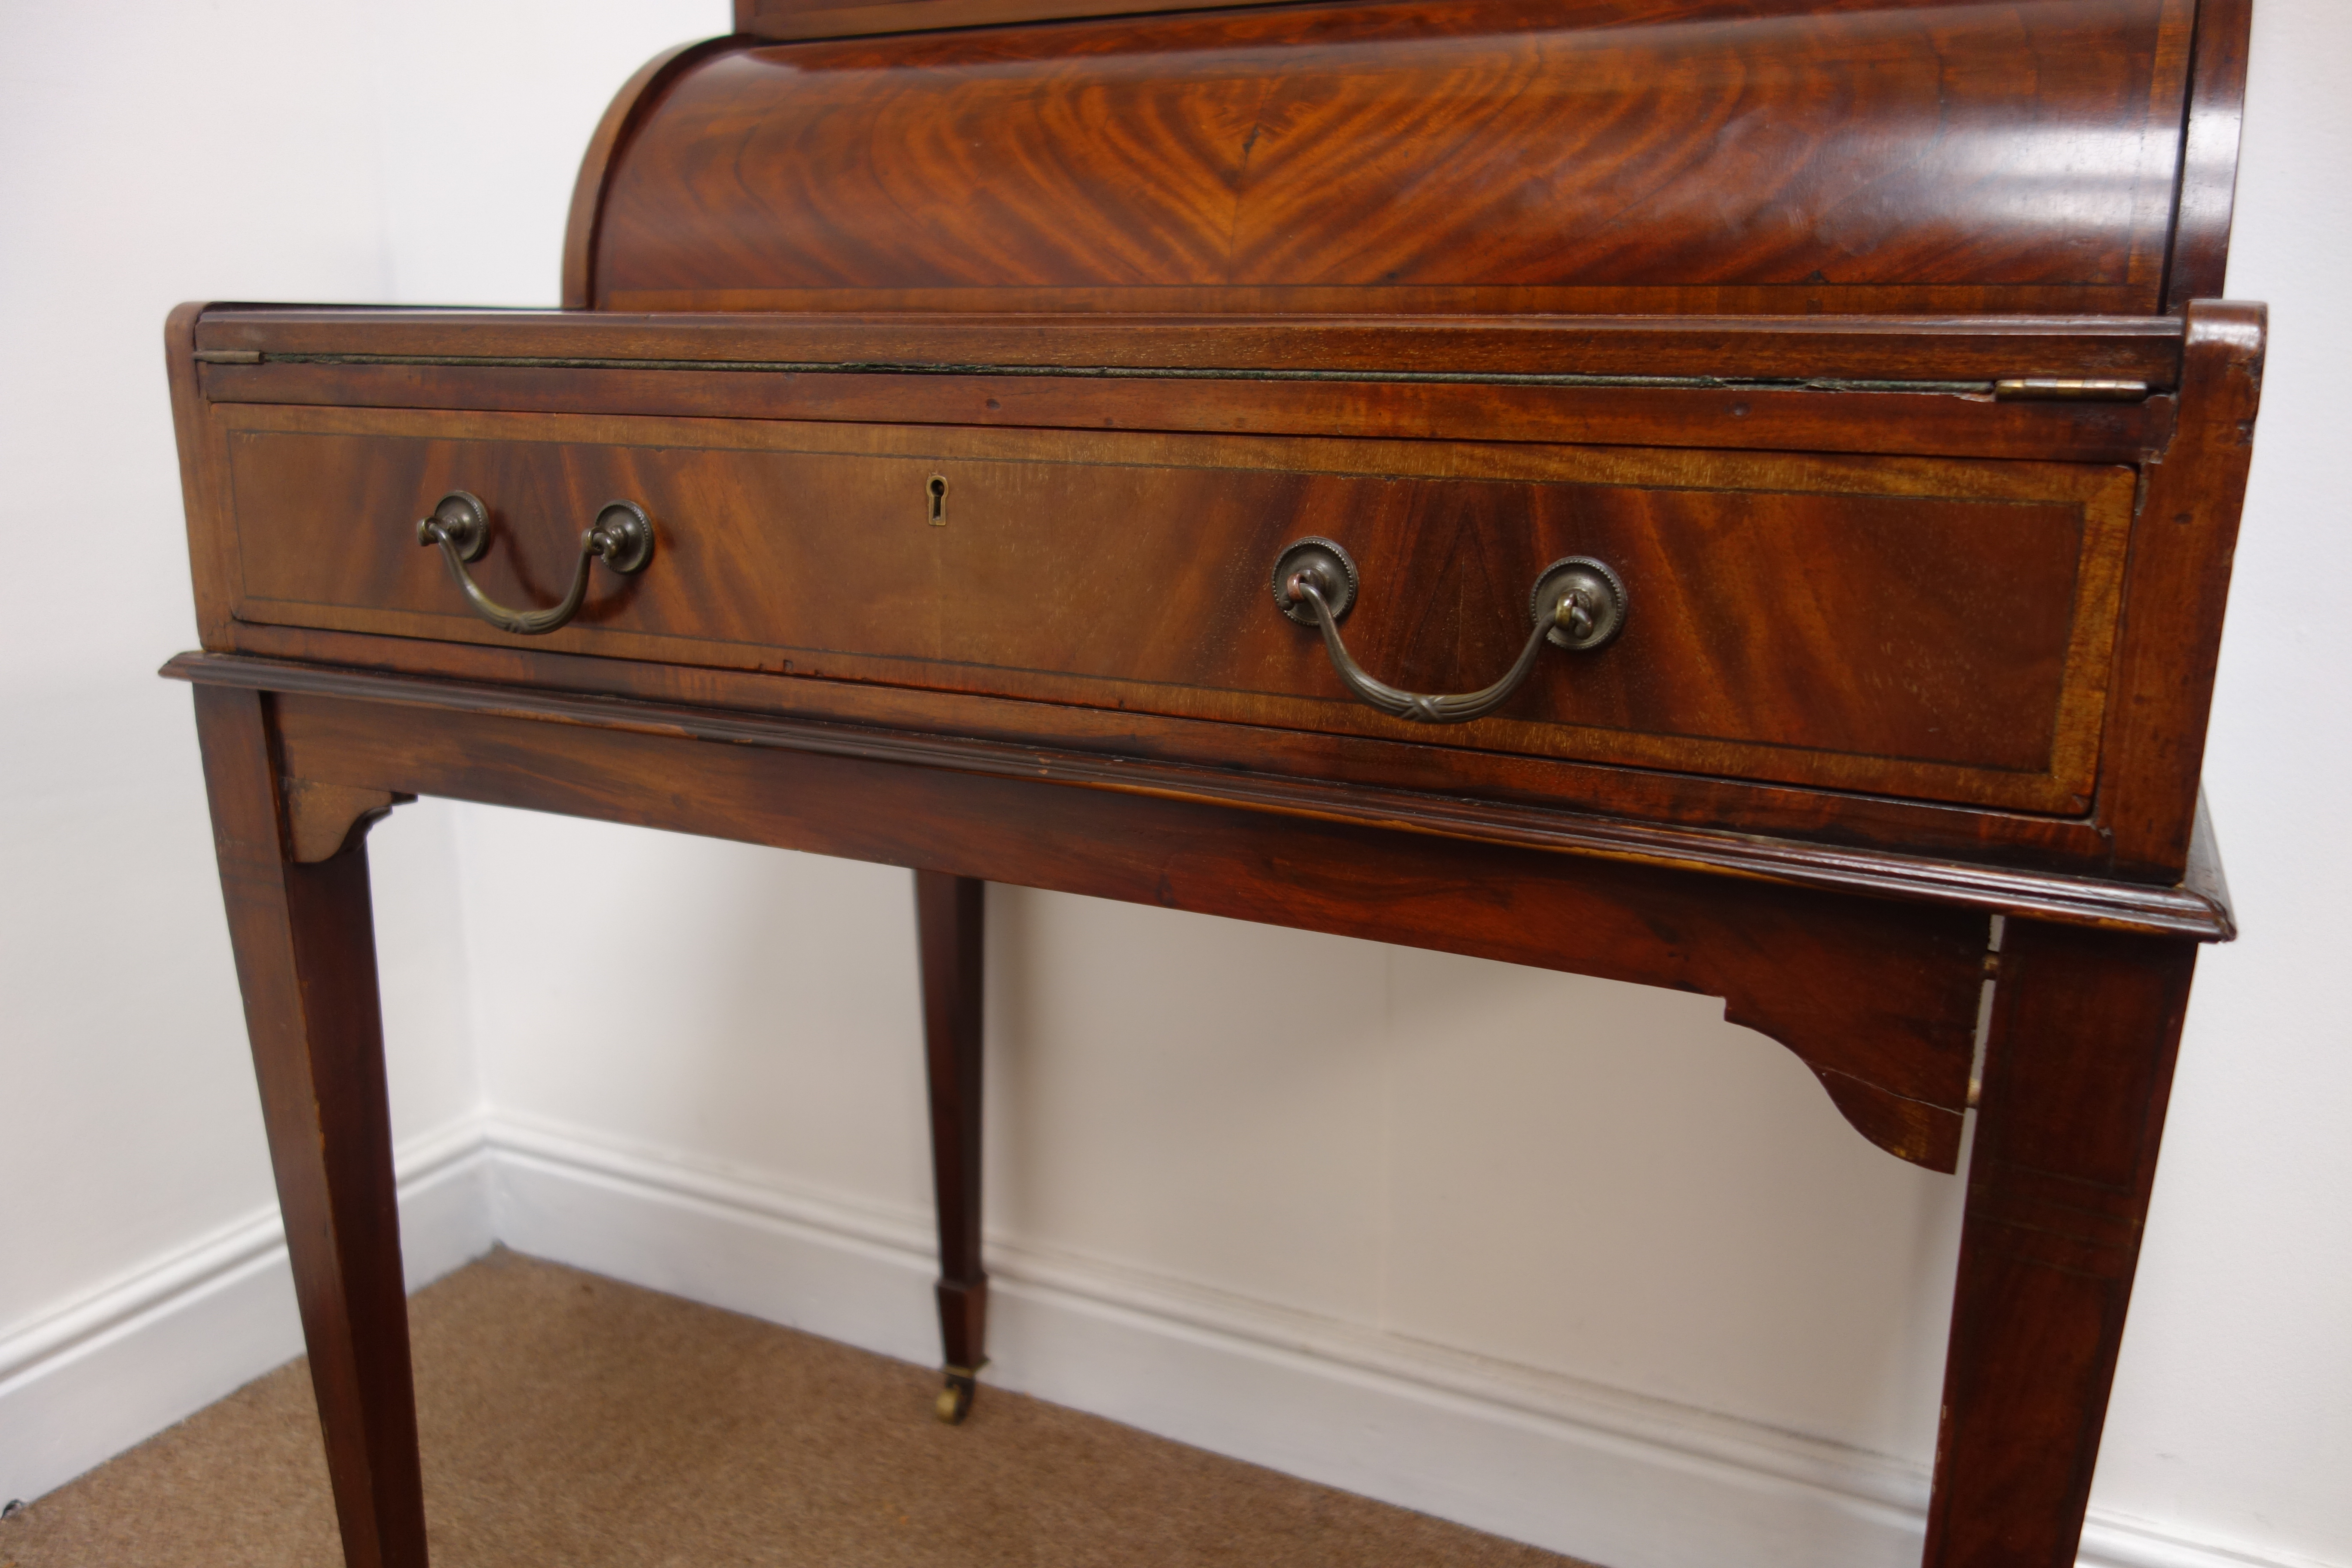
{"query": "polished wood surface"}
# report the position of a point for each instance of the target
(2022, 843)
(1955, 419)
(322, 820)
(1879, 997)
(621, 117)
(2198, 908)
(2178, 588)
(304, 939)
(2078, 1068)
(1913, 628)
(1729, 352)
(1891, 1037)
(949, 912)
(2209, 157)
(266, 366)
(1875, 341)
(1478, 156)
(844, 18)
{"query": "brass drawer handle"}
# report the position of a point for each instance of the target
(1578, 604)
(622, 537)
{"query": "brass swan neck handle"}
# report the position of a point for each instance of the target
(1578, 604)
(622, 537)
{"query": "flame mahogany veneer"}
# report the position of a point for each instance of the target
(1629, 155)
(973, 359)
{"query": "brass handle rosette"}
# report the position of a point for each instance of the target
(1578, 604)
(622, 537)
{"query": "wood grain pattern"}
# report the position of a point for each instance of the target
(203, 464)
(323, 820)
(305, 946)
(949, 912)
(1878, 997)
(848, 18)
(620, 116)
(1977, 838)
(2198, 910)
(1902, 627)
(1496, 156)
(2178, 591)
(2078, 1070)
(1714, 289)
(2209, 161)
(1766, 418)
(1756, 348)
(2167, 703)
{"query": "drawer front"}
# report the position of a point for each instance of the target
(1935, 629)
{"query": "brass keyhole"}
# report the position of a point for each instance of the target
(938, 492)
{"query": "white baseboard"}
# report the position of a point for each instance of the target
(81, 1385)
(1608, 1476)
(1595, 1472)
(1599, 1473)
(2109, 1542)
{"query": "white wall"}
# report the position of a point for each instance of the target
(2233, 1407)
(151, 153)
(1446, 1202)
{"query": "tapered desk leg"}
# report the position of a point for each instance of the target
(948, 913)
(2077, 1071)
(305, 948)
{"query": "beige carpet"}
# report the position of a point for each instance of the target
(571, 1422)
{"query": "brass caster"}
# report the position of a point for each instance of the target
(954, 1402)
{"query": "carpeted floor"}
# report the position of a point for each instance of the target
(571, 1422)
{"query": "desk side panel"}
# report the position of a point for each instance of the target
(2176, 592)
(203, 481)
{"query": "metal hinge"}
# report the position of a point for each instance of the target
(2055, 389)
(228, 356)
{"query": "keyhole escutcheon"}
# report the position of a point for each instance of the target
(938, 492)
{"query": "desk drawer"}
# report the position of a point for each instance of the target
(1936, 629)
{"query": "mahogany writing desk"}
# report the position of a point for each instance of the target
(1726, 494)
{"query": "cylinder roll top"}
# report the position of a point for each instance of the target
(1673, 156)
